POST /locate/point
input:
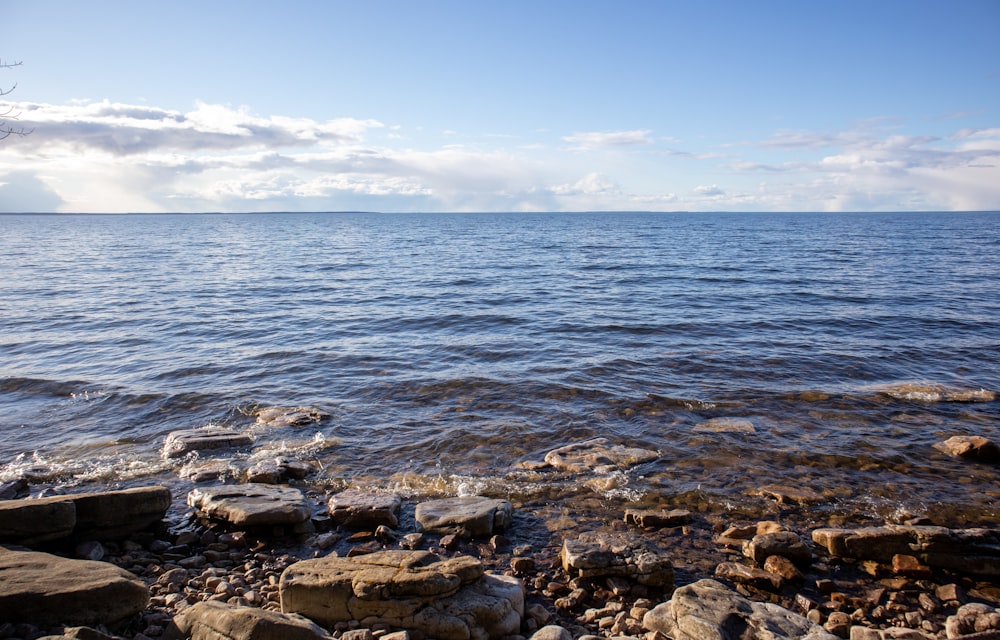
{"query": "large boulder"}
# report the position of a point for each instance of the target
(46, 590)
(179, 443)
(102, 515)
(451, 599)
(251, 505)
(598, 455)
(595, 554)
(469, 516)
(213, 620)
(708, 610)
(969, 551)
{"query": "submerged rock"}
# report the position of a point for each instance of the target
(708, 609)
(248, 505)
(278, 470)
(450, 599)
(935, 392)
(213, 620)
(657, 518)
(975, 448)
(290, 416)
(179, 443)
(969, 551)
(44, 589)
(468, 516)
(725, 425)
(598, 455)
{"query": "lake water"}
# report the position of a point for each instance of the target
(452, 351)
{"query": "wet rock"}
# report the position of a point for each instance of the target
(649, 518)
(44, 589)
(468, 516)
(248, 505)
(179, 443)
(782, 543)
(725, 425)
(789, 495)
(13, 489)
(598, 455)
(934, 392)
(969, 551)
(450, 599)
(290, 416)
(278, 470)
(364, 509)
(742, 574)
(975, 448)
(101, 516)
(596, 554)
(199, 471)
(213, 620)
(708, 609)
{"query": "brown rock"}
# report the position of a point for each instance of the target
(782, 543)
(648, 518)
(742, 574)
(971, 448)
(179, 443)
(364, 509)
(782, 566)
(213, 620)
(910, 567)
(598, 455)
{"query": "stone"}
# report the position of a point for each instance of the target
(789, 495)
(467, 516)
(934, 392)
(781, 543)
(599, 554)
(213, 620)
(782, 566)
(44, 589)
(973, 618)
(598, 455)
(290, 416)
(725, 425)
(278, 470)
(649, 518)
(910, 567)
(13, 489)
(179, 443)
(707, 610)
(742, 574)
(451, 599)
(552, 632)
(975, 448)
(249, 505)
(103, 515)
(969, 551)
(359, 509)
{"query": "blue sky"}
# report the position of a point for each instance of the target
(475, 106)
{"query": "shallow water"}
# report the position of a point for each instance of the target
(452, 350)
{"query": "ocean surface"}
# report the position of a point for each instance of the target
(453, 351)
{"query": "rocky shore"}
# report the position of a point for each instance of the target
(278, 558)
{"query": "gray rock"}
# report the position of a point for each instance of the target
(12, 489)
(725, 425)
(44, 589)
(969, 551)
(179, 443)
(449, 599)
(469, 516)
(934, 392)
(290, 416)
(31, 521)
(278, 470)
(781, 543)
(248, 505)
(596, 554)
(598, 455)
(552, 632)
(364, 509)
(212, 620)
(707, 610)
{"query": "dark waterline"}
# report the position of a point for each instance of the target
(449, 348)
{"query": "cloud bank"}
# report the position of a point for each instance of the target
(111, 157)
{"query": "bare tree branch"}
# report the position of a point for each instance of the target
(8, 130)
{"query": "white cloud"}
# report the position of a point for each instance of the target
(601, 139)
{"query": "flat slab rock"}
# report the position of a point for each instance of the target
(969, 551)
(975, 448)
(43, 589)
(469, 516)
(99, 515)
(179, 443)
(290, 416)
(364, 509)
(451, 599)
(598, 455)
(725, 425)
(213, 620)
(596, 554)
(708, 609)
(935, 392)
(249, 505)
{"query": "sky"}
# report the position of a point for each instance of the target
(539, 105)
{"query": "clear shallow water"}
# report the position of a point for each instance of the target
(450, 349)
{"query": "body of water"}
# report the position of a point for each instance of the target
(452, 351)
